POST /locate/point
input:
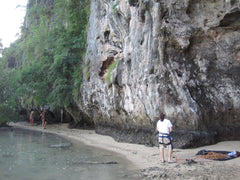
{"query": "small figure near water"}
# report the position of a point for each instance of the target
(165, 127)
(31, 118)
(44, 119)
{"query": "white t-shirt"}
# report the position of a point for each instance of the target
(163, 126)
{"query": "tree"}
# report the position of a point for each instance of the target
(45, 65)
(1, 47)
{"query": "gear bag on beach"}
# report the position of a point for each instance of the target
(217, 155)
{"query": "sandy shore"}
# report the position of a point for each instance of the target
(147, 159)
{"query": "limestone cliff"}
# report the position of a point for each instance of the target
(173, 56)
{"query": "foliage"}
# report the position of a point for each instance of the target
(45, 66)
(1, 47)
(113, 65)
(8, 99)
(115, 5)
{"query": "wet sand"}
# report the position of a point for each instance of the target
(147, 159)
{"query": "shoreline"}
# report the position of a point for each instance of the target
(147, 159)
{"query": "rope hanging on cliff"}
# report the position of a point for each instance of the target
(169, 53)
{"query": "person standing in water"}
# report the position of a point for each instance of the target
(44, 121)
(31, 118)
(165, 127)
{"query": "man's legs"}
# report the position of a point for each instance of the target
(162, 152)
(170, 151)
(43, 122)
(170, 154)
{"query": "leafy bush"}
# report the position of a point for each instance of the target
(45, 66)
(113, 65)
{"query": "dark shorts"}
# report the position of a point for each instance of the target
(44, 120)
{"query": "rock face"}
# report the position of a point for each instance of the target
(150, 56)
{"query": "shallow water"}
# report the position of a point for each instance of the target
(27, 155)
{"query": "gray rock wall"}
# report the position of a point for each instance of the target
(173, 56)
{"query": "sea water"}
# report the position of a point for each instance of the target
(32, 155)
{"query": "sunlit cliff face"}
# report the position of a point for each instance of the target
(181, 58)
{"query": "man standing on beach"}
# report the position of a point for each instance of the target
(43, 117)
(164, 127)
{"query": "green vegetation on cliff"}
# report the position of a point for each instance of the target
(45, 65)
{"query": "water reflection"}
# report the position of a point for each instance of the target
(43, 137)
(37, 155)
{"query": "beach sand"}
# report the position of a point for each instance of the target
(147, 161)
